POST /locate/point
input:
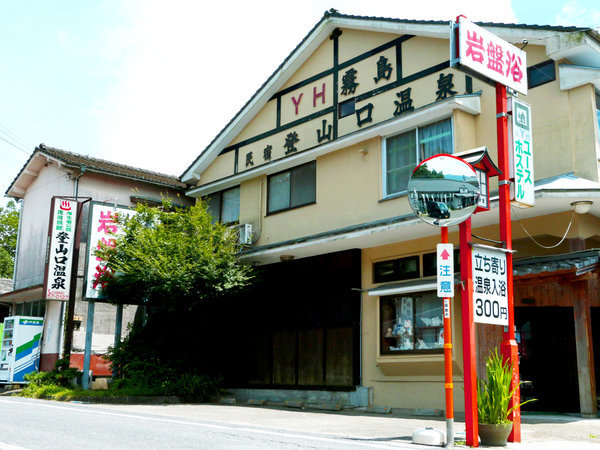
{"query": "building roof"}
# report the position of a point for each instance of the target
(581, 262)
(333, 19)
(90, 164)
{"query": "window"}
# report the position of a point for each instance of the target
(403, 152)
(292, 188)
(430, 263)
(410, 267)
(396, 269)
(36, 308)
(411, 323)
(598, 112)
(347, 108)
(541, 74)
(224, 206)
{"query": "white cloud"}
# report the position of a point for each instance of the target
(575, 14)
(181, 70)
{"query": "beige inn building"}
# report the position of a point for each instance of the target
(317, 164)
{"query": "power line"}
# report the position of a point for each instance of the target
(12, 135)
(15, 145)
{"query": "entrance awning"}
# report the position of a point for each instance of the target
(408, 287)
(578, 262)
(23, 295)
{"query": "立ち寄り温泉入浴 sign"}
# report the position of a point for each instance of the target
(490, 287)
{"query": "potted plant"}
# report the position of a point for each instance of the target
(493, 398)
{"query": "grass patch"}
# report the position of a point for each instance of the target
(64, 393)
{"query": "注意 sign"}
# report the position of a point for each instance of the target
(490, 293)
(445, 270)
(487, 54)
(522, 157)
(60, 253)
(103, 229)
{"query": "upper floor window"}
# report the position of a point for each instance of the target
(598, 112)
(409, 267)
(541, 74)
(402, 153)
(224, 206)
(292, 188)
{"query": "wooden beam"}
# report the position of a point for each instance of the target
(585, 351)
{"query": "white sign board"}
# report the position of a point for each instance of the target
(522, 154)
(490, 294)
(60, 252)
(445, 270)
(492, 57)
(103, 229)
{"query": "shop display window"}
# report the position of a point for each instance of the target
(412, 323)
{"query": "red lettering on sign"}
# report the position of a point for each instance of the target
(297, 102)
(317, 95)
(474, 47)
(513, 67)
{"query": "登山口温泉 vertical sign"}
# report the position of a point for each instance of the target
(489, 55)
(57, 280)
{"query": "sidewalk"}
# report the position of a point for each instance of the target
(541, 431)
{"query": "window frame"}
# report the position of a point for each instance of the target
(347, 108)
(220, 194)
(387, 195)
(539, 66)
(422, 269)
(291, 171)
(26, 308)
(597, 97)
(384, 339)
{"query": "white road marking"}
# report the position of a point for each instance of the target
(339, 440)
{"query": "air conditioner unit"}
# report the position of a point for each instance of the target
(244, 231)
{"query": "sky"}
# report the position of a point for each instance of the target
(150, 83)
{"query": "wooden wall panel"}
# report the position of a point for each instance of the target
(284, 357)
(338, 363)
(310, 357)
(261, 359)
(488, 337)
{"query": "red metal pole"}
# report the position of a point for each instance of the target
(509, 347)
(468, 328)
(448, 385)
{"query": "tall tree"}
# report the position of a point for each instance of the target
(9, 227)
(172, 259)
(179, 265)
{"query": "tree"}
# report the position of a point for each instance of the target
(177, 263)
(172, 259)
(9, 228)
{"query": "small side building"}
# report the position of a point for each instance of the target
(53, 172)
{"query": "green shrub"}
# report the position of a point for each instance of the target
(494, 393)
(50, 384)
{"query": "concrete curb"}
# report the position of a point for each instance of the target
(130, 400)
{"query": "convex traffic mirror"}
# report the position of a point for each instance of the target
(443, 190)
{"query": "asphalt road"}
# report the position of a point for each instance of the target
(34, 424)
